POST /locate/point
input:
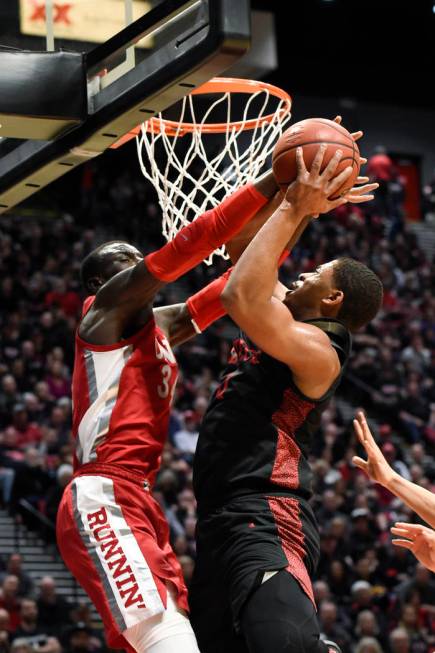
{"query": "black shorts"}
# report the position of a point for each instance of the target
(235, 546)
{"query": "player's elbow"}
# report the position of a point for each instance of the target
(233, 299)
(228, 297)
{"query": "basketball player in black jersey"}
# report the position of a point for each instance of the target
(257, 537)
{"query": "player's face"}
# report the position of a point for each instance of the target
(304, 297)
(118, 257)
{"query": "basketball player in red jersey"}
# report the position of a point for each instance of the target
(257, 537)
(111, 532)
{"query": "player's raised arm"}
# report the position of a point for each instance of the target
(125, 283)
(183, 321)
(248, 296)
(190, 246)
(377, 468)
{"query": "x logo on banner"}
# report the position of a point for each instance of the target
(60, 12)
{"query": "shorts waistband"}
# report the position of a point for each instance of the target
(110, 470)
(205, 509)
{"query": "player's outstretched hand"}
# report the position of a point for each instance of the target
(376, 467)
(418, 539)
(359, 194)
(310, 192)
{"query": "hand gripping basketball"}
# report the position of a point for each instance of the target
(309, 134)
(312, 189)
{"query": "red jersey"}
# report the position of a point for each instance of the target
(121, 400)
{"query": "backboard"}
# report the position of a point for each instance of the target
(172, 48)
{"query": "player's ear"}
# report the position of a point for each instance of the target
(333, 301)
(94, 284)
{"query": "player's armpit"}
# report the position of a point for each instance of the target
(280, 291)
(123, 303)
(303, 347)
(176, 323)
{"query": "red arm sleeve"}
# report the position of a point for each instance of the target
(205, 306)
(212, 229)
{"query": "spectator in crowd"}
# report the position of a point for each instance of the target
(321, 592)
(428, 196)
(380, 169)
(31, 483)
(14, 567)
(186, 438)
(422, 582)
(331, 629)
(368, 645)
(28, 626)
(21, 645)
(81, 614)
(68, 300)
(399, 641)
(417, 635)
(79, 639)
(9, 600)
(367, 625)
(364, 532)
(187, 566)
(54, 494)
(31, 631)
(4, 631)
(53, 609)
(390, 453)
(21, 433)
(7, 475)
(8, 397)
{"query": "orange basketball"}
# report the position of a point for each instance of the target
(310, 134)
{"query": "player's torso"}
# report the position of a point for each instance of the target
(121, 397)
(257, 432)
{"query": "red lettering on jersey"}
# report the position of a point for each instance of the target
(129, 579)
(132, 599)
(99, 524)
(224, 385)
(110, 544)
(107, 534)
(99, 517)
(241, 352)
(119, 569)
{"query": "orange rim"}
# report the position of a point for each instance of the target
(224, 85)
(218, 85)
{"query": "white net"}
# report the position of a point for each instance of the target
(190, 171)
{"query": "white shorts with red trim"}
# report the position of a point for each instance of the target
(114, 538)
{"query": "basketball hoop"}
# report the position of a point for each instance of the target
(213, 158)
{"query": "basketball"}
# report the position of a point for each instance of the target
(310, 134)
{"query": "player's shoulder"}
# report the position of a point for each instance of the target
(312, 336)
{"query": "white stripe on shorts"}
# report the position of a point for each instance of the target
(125, 575)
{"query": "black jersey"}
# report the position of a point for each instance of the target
(256, 434)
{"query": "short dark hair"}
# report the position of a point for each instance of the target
(93, 264)
(362, 291)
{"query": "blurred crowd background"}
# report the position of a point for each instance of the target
(371, 596)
